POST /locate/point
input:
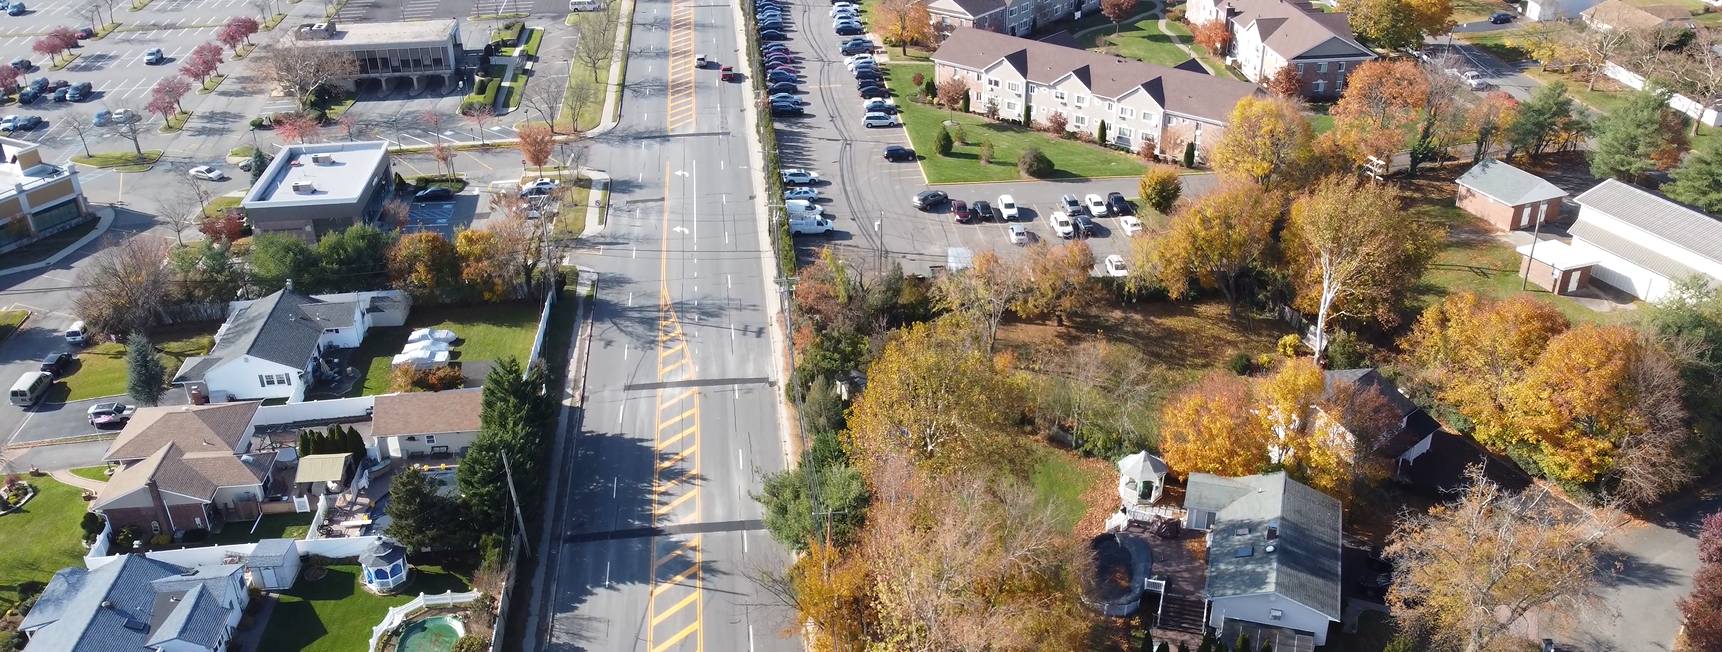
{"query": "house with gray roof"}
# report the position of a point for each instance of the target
(1268, 35)
(272, 347)
(138, 604)
(1138, 103)
(1508, 198)
(1644, 243)
(1273, 555)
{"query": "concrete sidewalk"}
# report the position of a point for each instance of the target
(106, 217)
(67, 477)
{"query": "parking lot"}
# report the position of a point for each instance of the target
(868, 198)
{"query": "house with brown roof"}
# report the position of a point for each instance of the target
(1137, 102)
(413, 425)
(1618, 14)
(185, 468)
(1268, 35)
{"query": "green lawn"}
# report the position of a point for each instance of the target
(1474, 260)
(1070, 159)
(1141, 40)
(41, 538)
(274, 526)
(10, 320)
(1214, 65)
(1058, 482)
(1470, 11)
(101, 369)
(114, 159)
(487, 332)
(532, 42)
(220, 205)
(336, 613)
(593, 112)
(242, 151)
(572, 222)
(1496, 44)
(97, 473)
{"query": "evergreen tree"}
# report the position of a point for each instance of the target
(1027, 114)
(307, 443)
(1542, 117)
(1243, 644)
(1164, 647)
(1698, 180)
(965, 103)
(420, 517)
(1100, 133)
(1190, 155)
(146, 378)
(1182, 647)
(1267, 646)
(258, 162)
(517, 407)
(1628, 135)
(942, 142)
(355, 441)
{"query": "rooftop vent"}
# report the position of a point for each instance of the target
(137, 625)
(107, 605)
(1270, 548)
(323, 159)
(1245, 551)
(304, 187)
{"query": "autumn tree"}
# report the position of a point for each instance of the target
(1285, 82)
(1398, 24)
(1445, 118)
(1488, 120)
(829, 588)
(1697, 71)
(1381, 99)
(298, 128)
(1353, 253)
(1597, 46)
(1266, 137)
(1116, 11)
(1062, 281)
(1213, 35)
(1550, 42)
(9, 79)
(1468, 571)
(425, 265)
(1160, 187)
(903, 22)
(596, 42)
(1473, 350)
(125, 284)
(1702, 608)
(49, 46)
(951, 93)
(1549, 118)
(172, 90)
(240, 27)
(1211, 428)
(445, 154)
(1324, 436)
(1057, 123)
(1104, 394)
(1216, 239)
(983, 293)
(535, 141)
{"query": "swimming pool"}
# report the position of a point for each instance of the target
(433, 634)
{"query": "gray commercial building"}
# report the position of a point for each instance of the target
(311, 190)
(419, 51)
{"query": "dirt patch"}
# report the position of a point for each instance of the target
(1183, 336)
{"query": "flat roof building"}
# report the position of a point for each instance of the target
(319, 188)
(37, 199)
(420, 50)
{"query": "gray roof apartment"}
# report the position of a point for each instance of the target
(1295, 30)
(1507, 184)
(1179, 91)
(1259, 512)
(967, 8)
(124, 606)
(194, 428)
(283, 328)
(1657, 215)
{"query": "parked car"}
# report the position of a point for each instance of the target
(872, 120)
(927, 199)
(39, 84)
(126, 116)
(85, 33)
(1501, 18)
(63, 95)
(899, 153)
(1118, 204)
(437, 193)
(1061, 224)
(983, 211)
(22, 65)
(786, 98)
(802, 208)
(24, 123)
(870, 74)
(856, 48)
(800, 177)
(772, 35)
(874, 91)
(56, 363)
(102, 118)
(808, 194)
(1115, 266)
(16, 9)
(1096, 205)
(80, 91)
(110, 414)
(787, 110)
(960, 211)
(849, 29)
(1474, 80)
(9, 123)
(1130, 225)
(28, 96)
(774, 47)
(154, 56)
(1017, 234)
(1007, 208)
(781, 87)
(775, 76)
(207, 173)
(1084, 224)
(809, 226)
(856, 60)
(1070, 204)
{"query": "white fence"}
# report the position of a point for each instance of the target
(1681, 103)
(99, 549)
(341, 548)
(398, 614)
(339, 408)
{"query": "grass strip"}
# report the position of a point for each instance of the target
(71, 56)
(115, 159)
(175, 122)
(10, 320)
(209, 85)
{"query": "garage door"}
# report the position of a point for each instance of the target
(1614, 279)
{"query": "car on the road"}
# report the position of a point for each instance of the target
(782, 87)
(800, 177)
(899, 153)
(1115, 266)
(154, 56)
(1118, 204)
(1061, 224)
(787, 98)
(872, 120)
(1501, 18)
(437, 193)
(1096, 205)
(1130, 225)
(1007, 208)
(1474, 80)
(809, 226)
(102, 415)
(1017, 234)
(727, 74)
(1084, 224)
(961, 213)
(802, 208)
(927, 199)
(772, 35)
(874, 91)
(700, 61)
(808, 194)
(1070, 204)
(207, 173)
(56, 363)
(983, 211)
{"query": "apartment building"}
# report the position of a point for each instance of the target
(1271, 34)
(1015, 17)
(1138, 102)
(36, 199)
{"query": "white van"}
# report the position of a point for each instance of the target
(809, 226)
(31, 387)
(802, 208)
(585, 5)
(76, 335)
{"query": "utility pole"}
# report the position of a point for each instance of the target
(519, 521)
(1531, 258)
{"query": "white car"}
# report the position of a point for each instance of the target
(809, 226)
(436, 335)
(1061, 224)
(789, 98)
(872, 120)
(1007, 208)
(1130, 224)
(1115, 266)
(801, 193)
(126, 116)
(1018, 235)
(1096, 205)
(844, 12)
(842, 6)
(1474, 80)
(421, 359)
(800, 177)
(207, 173)
(9, 123)
(802, 208)
(425, 345)
(543, 182)
(851, 62)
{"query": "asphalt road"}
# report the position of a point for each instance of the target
(681, 404)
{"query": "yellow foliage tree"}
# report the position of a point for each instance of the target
(1573, 404)
(481, 262)
(903, 22)
(1475, 350)
(1381, 99)
(1210, 428)
(1215, 239)
(1267, 136)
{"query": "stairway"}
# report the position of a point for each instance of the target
(1181, 614)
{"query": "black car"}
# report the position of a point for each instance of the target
(983, 211)
(929, 198)
(848, 30)
(438, 193)
(1501, 18)
(28, 96)
(856, 48)
(780, 87)
(772, 35)
(29, 122)
(79, 92)
(880, 106)
(874, 91)
(1084, 224)
(56, 363)
(63, 95)
(39, 84)
(786, 111)
(899, 153)
(1118, 204)
(868, 74)
(85, 32)
(771, 24)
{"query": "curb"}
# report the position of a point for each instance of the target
(613, 95)
(594, 206)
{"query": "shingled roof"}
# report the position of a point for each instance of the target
(427, 413)
(1179, 91)
(193, 475)
(195, 428)
(130, 605)
(1507, 184)
(283, 328)
(1293, 29)
(1270, 535)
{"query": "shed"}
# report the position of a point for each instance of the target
(1556, 267)
(384, 565)
(1506, 197)
(273, 564)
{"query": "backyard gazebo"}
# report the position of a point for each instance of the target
(384, 565)
(1141, 478)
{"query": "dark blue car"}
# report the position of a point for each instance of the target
(780, 76)
(772, 35)
(781, 87)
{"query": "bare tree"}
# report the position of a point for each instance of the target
(395, 123)
(92, 14)
(579, 98)
(125, 285)
(180, 212)
(1598, 46)
(395, 213)
(1698, 73)
(596, 39)
(131, 129)
(301, 70)
(544, 98)
(444, 154)
(480, 117)
(79, 124)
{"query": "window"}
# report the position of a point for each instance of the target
(1321, 67)
(992, 83)
(1275, 614)
(1060, 96)
(1300, 69)
(1126, 112)
(1342, 66)
(331, 330)
(1010, 106)
(1319, 85)
(1014, 87)
(1151, 118)
(1124, 132)
(270, 380)
(430, 439)
(1079, 120)
(1109, 107)
(1082, 100)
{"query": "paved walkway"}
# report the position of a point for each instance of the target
(67, 477)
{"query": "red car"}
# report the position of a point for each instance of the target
(783, 68)
(728, 74)
(960, 210)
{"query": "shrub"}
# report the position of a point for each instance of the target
(1058, 124)
(256, 123)
(1034, 163)
(1100, 133)
(1289, 345)
(316, 115)
(471, 643)
(958, 135)
(160, 540)
(1345, 351)
(942, 142)
(1240, 364)
(1190, 154)
(928, 88)
(1146, 149)
(917, 78)
(986, 153)
(1160, 188)
(92, 526)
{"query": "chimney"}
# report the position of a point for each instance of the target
(289, 286)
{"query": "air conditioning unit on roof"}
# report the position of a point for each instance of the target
(304, 187)
(322, 159)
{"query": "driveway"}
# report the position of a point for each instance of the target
(51, 421)
(43, 333)
(1509, 77)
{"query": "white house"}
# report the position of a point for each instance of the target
(417, 424)
(138, 604)
(272, 348)
(1540, 10)
(1273, 557)
(1645, 242)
